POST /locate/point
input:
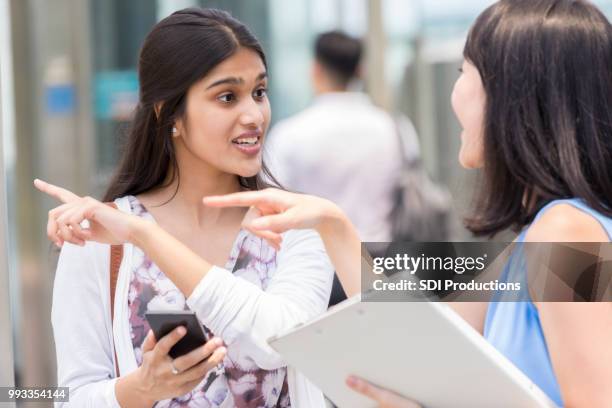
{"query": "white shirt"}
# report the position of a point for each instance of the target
(243, 315)
(345, 149)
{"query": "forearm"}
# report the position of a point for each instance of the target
(129, 394)
(245, 315)
(343, 247)
(180, 264)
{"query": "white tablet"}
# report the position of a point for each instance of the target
(423, 350)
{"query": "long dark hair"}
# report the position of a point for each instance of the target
(179, 51)
(546, 67)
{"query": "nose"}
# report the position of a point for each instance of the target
(252, 114)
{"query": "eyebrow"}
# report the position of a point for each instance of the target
(235, 80)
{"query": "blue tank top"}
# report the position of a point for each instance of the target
(514, 328)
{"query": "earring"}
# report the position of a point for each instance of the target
(174, 131)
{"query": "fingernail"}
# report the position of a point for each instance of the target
(218, 342)
(350, 380)
(181, 330)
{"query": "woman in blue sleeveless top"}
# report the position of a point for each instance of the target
(535, 103)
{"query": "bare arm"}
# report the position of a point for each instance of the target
(164, 250)
(578, 335)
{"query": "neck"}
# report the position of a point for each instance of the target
(326, 90)
(323, 86)
(196, 180)
(191, 188)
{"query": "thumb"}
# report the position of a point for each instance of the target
(149, 342)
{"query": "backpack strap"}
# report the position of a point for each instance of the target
(116, 256)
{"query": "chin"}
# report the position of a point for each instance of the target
(468, 161)
(249, 172)
(470, 153)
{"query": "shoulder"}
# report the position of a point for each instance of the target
(82, 269)
(566, 223)
(91, 251)
(378, 115)
(122, 203)
(294, 123)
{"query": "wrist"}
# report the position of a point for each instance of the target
(144, 393)
(332, 221)
(139, 228)
(342, 243)
(131, 392)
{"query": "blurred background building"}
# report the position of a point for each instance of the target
(68, 86)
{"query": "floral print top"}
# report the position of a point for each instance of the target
(237, 382)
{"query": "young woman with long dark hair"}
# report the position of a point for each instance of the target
(533, 100)
(198, 130)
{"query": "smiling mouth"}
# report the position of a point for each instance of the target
(246, 141)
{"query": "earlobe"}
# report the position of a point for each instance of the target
(177, 128)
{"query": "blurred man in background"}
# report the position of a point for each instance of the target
(342, 147)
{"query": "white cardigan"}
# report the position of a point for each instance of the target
(241, 314)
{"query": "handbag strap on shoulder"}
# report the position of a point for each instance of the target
(116, 256)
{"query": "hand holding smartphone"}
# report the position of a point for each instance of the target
(176, 357)
(164, 322)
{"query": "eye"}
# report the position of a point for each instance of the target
(260, 93)
(227, 98)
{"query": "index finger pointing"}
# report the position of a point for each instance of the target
(59, 193)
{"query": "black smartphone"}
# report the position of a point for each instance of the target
(164, 322)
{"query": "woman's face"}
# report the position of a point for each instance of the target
(227, 115)
(468, 100)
